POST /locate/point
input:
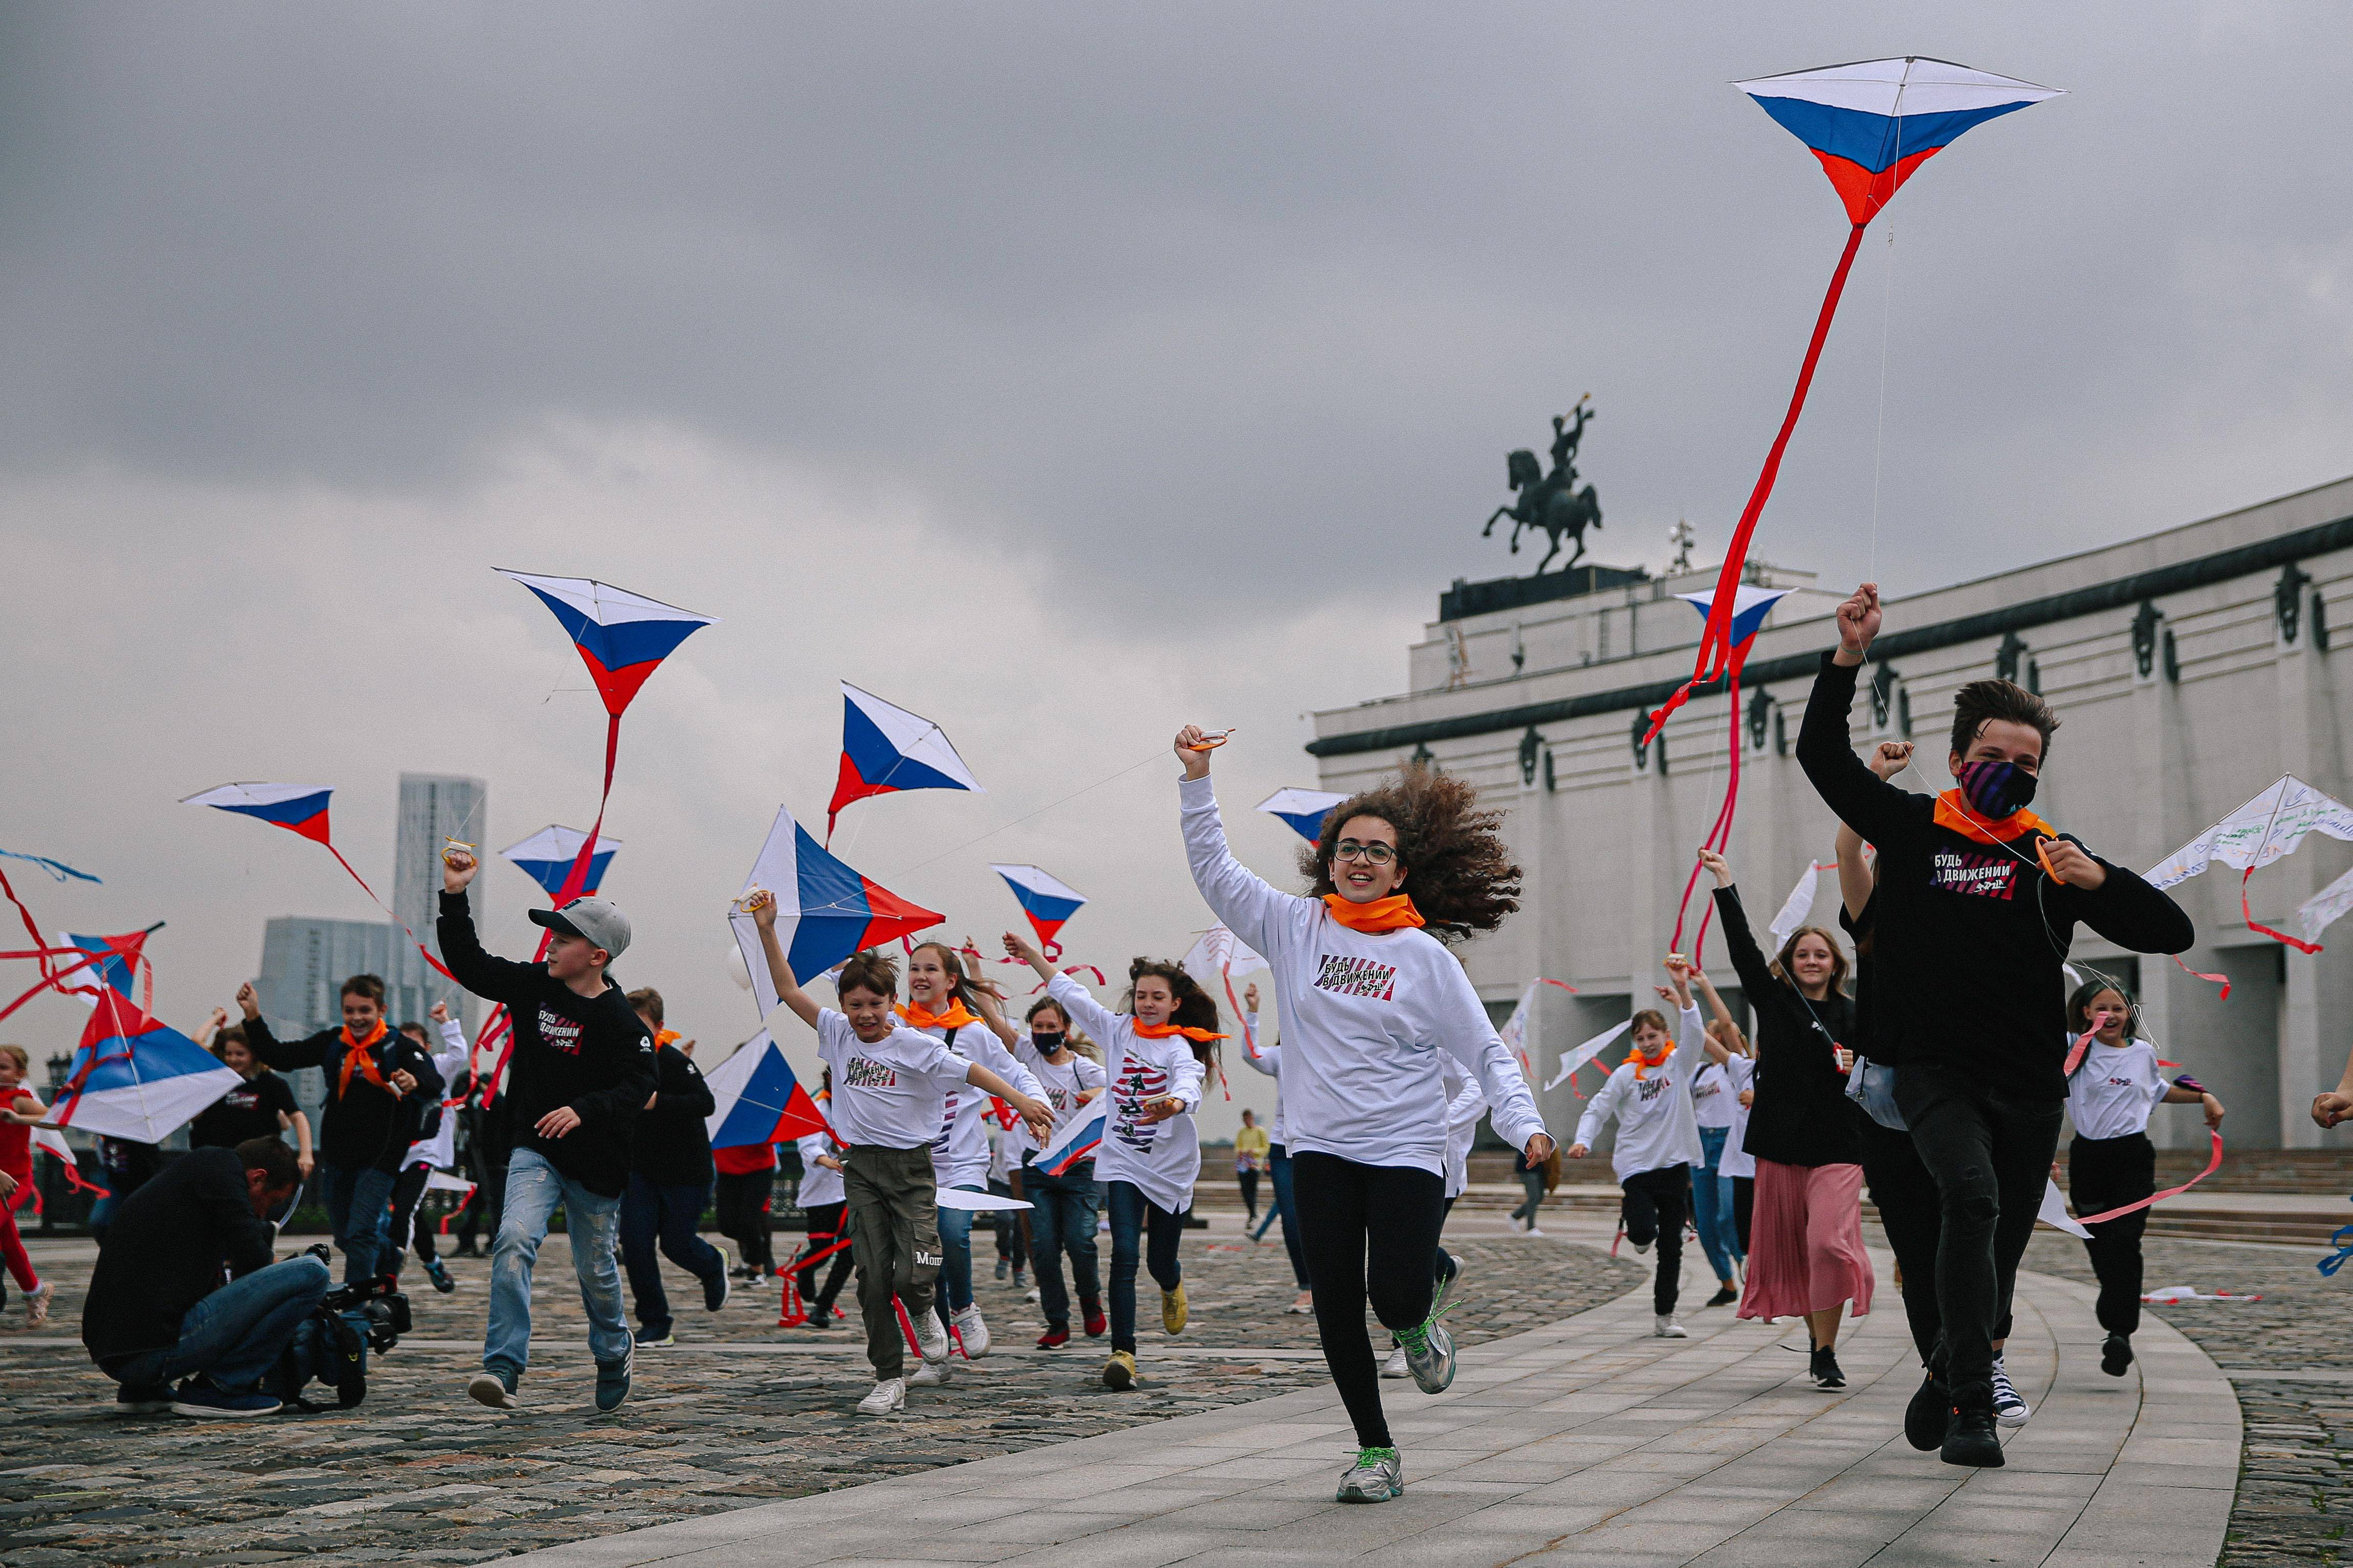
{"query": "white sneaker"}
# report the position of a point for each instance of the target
(1532, 1229)
(2008, 1407)
(890, 1396)
(932, 1374)
(1641, 1249)
(1304, 1305)
(1032, 1295)
(1668, 1329)
(973, 1332)
(1395, 1366)
(931, 1336)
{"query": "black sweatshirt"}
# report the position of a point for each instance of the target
(1967, 939)
(590, 1053)
(364, 1127)
(671, 1146)
(165, 1251)
(1801, 1115)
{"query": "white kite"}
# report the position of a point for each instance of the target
(1214, 959)
(2265, 829)
(1797, 908)
(1577, 1056)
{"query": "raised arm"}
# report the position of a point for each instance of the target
(1100, 1022)
(1756, 976)
(1868, 803)
(1258, 1057)
(500, 979)
(780, 973)
(1857, 877)
(1715, 1008)
(284, 1055)
(1260, 915)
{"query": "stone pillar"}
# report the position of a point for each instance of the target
(2288, 882)
(2160, 824)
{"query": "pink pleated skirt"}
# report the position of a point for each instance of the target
(1805, 1252)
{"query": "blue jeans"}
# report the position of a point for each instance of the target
(955, 1293)
(534, 1190)
(234, 1336)
(669, 1215)
(1131, 1216)
(359, 1206)
(1063, 1220)
(1278, 1170)
(1719, 1238)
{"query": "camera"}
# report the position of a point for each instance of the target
(379, 1303)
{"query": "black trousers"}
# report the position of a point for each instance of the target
(2104, 1173)
(1744, 1208)
(1989, 1154)
(407, 1226)
(1369, 1233)
(1654, 1207)
(740, 1209)
(1248, 1182)
(1909, 1212)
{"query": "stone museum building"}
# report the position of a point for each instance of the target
(2191, 668)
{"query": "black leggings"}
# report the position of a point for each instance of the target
(1352, 1259)
(2104, 1173)
(1744, 1208)
(406, 1226)
(1654, 1206)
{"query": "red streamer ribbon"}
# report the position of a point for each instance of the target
(2222, 980)
(2212, 1163)
(2255, 925)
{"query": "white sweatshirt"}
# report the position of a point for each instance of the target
(891, 1093)
(1267, 1059)
(1655, 1125)
(1365, 1016)
(2115, 1089)
(818, 1185)
(1462, 1113)
(440, 1150)
(1712, 1098)
(1739, 1073)
(1162, 1159)
(1065, 1089)
(960, 1150)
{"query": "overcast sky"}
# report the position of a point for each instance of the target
(1063, 372)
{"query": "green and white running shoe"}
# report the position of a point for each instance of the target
(1377, 1476)
(1429, 1351)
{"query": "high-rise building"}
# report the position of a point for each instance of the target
(305, 961)
(435, 809)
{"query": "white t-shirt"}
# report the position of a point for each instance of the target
(1065, 1088)
(1365, 1016)
(1260, 1056)
(2114, 1089)
(440, 1150)
(1739, 1073)
(1462, 1113)
(1712, 1098)
(1656, 1128)
(818, 1185)
(960, 1145)
(1162, 1159)
(891, 1093)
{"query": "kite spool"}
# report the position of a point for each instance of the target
(457, 856)
(1212, 743)
(755, 900)
(2043, 853)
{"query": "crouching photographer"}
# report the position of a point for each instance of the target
(185, 1291)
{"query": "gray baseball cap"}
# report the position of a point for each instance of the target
(596, 920)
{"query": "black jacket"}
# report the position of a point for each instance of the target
(670, 1146)
(166, 1250)
(1967, 939)
(1801, 1115)
(590, 1053)
(364, 1127)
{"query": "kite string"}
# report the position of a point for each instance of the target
(1108, 778)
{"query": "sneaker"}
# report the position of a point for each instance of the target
(973, 1332)
(931, 1336)
(1021, 1282)
(1033, 1294)
(495, 1389)
(1449, 1287)
(1056, 1336)
(1304, 1305)
(1377, 1476)
(1531, 1230)
(37, 1305)
(1173, 1313)
(1926, 1417)
(1969, 1436)
(715, 1291)
(1429, 1354)
(1004, 1268)
(1095, 1322)
(1642, 1249)
(890, 1396)
(145, 1399)
(1120, 1370)
(613, 1382)
(200, 1398)
(661, 1341)
(1724, 1296)
(932, 1374)
(1666, 1328)
(2008, 1407)
(439, 1272)
(1823, 1368)
(2115, 1356)
(1395, 1366)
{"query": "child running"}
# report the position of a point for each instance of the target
(890, 1090)
(20, 1109)
(2111, 1163)
(1061, 1208)
(1151, 1153)
(1370, 997)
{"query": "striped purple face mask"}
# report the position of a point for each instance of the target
(1994, 790)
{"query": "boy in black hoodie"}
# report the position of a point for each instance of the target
(1976, 904)
(583, 1065)
(379, 1084)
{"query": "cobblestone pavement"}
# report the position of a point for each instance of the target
(739, 1412)
(2295, 1480)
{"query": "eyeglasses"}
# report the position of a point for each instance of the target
(1348, 851)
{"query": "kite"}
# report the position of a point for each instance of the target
(1577, 1056)
(1074, 1141)
(976, 1203)
(2318, 912)
(2265, 829)
(1218, 954)
(118, 963)
(885, 750)
(1046, 899)
(132, 1077)
(825, 910)
(1303, 809)
(759, 1097)
(547, 857)
(1799, 907)
(622, 637)
(1514, 1032)
(1873, 124)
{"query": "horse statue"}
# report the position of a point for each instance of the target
(1551, 502)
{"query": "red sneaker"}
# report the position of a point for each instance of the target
(1055, 1338)
(1095, 1323)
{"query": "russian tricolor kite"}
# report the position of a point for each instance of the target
(1075, 1141)
(886, 748)
(825, 910)
(1872, 124)
(548, 855)
(1045, 899)
(759, 1097)
(134, 1078)
(1303, 809)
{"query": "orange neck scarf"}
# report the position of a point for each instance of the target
(1162, 1031)
(919, 1018)
(1953, 812)
(1395, 912)
(360, 1055)
(663, 1037)
(1642, 1063)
